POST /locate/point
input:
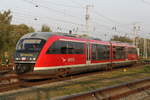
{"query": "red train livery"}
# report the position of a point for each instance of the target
(49, 52)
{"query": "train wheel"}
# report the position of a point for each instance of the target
(63, 72)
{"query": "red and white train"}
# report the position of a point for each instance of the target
(49, 52)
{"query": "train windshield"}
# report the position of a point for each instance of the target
(32, 45)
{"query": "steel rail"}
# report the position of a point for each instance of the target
(8, 83)
(102, 94)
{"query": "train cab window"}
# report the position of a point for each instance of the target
(119, 52)
(66, 47)
(30, 45)
(100, 52)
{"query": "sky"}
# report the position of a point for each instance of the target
(106, 17)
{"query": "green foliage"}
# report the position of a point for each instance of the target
(9, 34)
(121, 39)
(5, 17)
(5, 30)
(45, 28)
(147, 69)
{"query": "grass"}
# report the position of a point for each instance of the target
(103, 79)
(146, 69)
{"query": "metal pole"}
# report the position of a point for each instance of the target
(134, 33)
(145, 48)
(87, 18)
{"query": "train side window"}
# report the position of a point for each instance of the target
(71, 48)
(107, 52)
(75, 48)
(135, 50)
(66, 47)
(54, 48)
(114, 52)
(94, 51)
(100, 52)
(79, 48)
(132, 51)
(63, 47)
(103, 52)
(58, 47)
(119, 52)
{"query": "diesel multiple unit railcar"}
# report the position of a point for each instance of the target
(51, 52)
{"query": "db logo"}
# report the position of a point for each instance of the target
(63, 59)
(68, 60)
(71, 60)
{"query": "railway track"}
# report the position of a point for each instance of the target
(113, 92)
(55, 88)
(6, 68)
(13, 81)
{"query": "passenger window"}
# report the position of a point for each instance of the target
(119, 52)
(132, 51)
(94, 55)
(66, 47)
(100, 52)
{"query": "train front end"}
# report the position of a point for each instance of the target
(27, 50)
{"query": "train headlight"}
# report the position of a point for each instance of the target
(34, 58)
(17, 58)
(30, 59)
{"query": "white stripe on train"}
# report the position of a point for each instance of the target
(79, 65)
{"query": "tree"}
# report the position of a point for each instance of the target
(22, 29)
(31, 29)
(121, 39)
(10, 34)
(5, 28)
(45, 28)
(5, 17)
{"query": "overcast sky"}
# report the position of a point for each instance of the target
(65, 15)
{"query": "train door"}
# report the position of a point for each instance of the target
(111, 53)
(88, 60)
(126, 53)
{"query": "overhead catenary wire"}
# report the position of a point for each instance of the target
(49, 18)
(63, 5)
(47, 15)
(45, 19)
(105, 17)
(77, 3)
(109, 20)
(146, 2)
(27, 14)
(54, 26)
(69, 15)
(52, 9)
(58, 11)
(64, 21)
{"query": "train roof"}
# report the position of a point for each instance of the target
(41, 35)
(46, 35)
(118, 43)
